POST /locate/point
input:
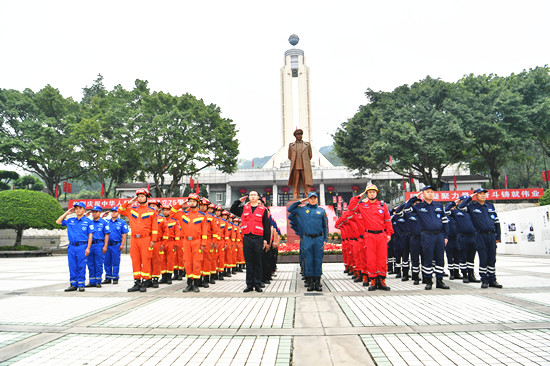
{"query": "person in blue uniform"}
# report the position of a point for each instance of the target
(434, 235)
(79, 230)
(314, 223)
(487, 225)
(100, 242)
(466, 233)
(452, 248)
(403, 241)
(415, 231)
(117, 239)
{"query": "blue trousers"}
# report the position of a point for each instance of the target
(77, 264)
(433, 249)
(313, 256)
(397, 251)
(467, 245)
(454, 254)
(95, 263)
(404, 244)
(112, 261)
(415, 248)
(487, 250)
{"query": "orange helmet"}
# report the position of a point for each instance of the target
(166, 206)
(194, 196)
(154, 202)
(144, 191)
(224, 212)
(204, 201)
(219, 208)
(371, 187)
(212, 206)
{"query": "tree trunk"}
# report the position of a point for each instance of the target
(495, 175)
(18, 237)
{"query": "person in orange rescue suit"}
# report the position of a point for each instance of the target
(208, 255)
(156, 255)
(233, 253)
(342, 226)
(167, 249)
(222, 216)
(228, 244)
(179, 263)
(194, 232)
(144, 229)
(215, 240)
(240, 254)
(378, 228)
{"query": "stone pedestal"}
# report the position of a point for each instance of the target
(291, 236)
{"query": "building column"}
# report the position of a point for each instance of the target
(228, 195)
(275, 195)
(322, 194)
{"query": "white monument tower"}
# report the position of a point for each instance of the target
(296, 111)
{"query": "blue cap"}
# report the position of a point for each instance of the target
(97, 208)
(311, 194)
(463, 197)
(79, 204)
(427, 187)
(479, 190)
(114, 208)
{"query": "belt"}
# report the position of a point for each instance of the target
(77, 243)
(192, 237)
(111, 243)
(486, 232)
(360, 236)
(467, 234)
(432, 232)
(375, 231)
(98, 241)
(140, 236)
(353, 239)
(313, 236)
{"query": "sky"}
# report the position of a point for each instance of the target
(230, 53)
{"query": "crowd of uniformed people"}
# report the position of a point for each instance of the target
(411, 240)
(201, 242)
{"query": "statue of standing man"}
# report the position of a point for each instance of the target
(299, 154)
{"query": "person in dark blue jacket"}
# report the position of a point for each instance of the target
(314, 223)
(434, 235)
(485, 220)
(466, 240)
(452, 248)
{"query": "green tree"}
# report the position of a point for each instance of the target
(35, 134)
(524, 168)
(7, 177)
(29, 182)
(545, 199)
(24, 209)
(493, 120)
(411, 129)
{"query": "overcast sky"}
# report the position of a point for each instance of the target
(230, 52)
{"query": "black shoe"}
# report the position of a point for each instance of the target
(307, 281)
(143, 287)
(155, 283)
(148, 283)
(189, 287)
(457, 274)
(259, 289)
(115, 281)
(267, 282)
(89, 285)
(233, 270)
(70, 288)
(135, 288)
(206, 281)
(215, 276)
(441, 284)
(262, 286)
(196, 284)
(211, 281)
(452, 274)
(358, 279)
(180, 276)
(428, 284)
(484, 285)
(248, 289)
(472, 277)
(98, 285)
(81, 289)
(495, 284)
(227, 272)
(106, 281)
(416, 282)
(398, 273)
(311, 283)
(318, 286)
(372, 286)
(163, 279)
(240, 269)
(381, 283)
(405, 277)
(168, 279)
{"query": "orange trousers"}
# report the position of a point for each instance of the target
(221, 257)
(192, 258)
(207, 259)
(240, 253)
(141, 257)
(156, 260)
(167, 260)
(179, 260)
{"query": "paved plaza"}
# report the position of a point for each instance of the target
(40, 324)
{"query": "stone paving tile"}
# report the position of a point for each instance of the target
(522, 347)
(515, 281)
(7, 285)
(79, 349)
(47, 310)
(7, 338)
(208, 312)
(538, 297)
(531, 268)
(284, 282)
(432, 310)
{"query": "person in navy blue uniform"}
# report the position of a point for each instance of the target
(414, 230)
(79, 230)
(485, 220)
(394, 244)
(403, 241)
(100, 242)
(433, 237)
(453, 249)
(117, 239)
(465, 237)
(314, 223)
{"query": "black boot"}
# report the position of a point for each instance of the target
(318, 286)
(457, 274)
(168, 279)
(137, 285)
(240, 268)
(106, 281)
(163, 279)
(196, 285)
(214, 276)
(143, 287)
(227, 272)
(307, 281)
(429, 283)
(155, 283)
(148, 283)
(397, 272)
(465, 278)
(495, 284)
(381, 283)
(365, 280)
(415, 278)
(189, 287)
(391, 267)
(359, 278)
(212, 282)
(372, 286)
(233, 270)
(220, 276)
(206, 281)
(472, 277)
(452, 274)
(441, 284)
(311, 283)
(175, 275)
(405, 274)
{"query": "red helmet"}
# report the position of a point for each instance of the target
(231, 215)
(144, 191)
(219, 208)
(212, 206)
(224, 212)
(166, 206)
(153, 201)
(194, 196)
(204, 201)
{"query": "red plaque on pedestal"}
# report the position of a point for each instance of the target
(291, 236)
